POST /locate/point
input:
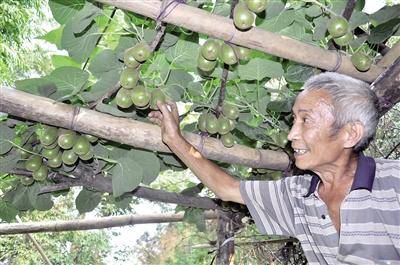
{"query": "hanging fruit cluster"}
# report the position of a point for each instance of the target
(223, 125)
(57, 147)
(339, 29)
(133, 93)
(214, 49)
(244, 14)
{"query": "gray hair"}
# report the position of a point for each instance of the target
(353, 101)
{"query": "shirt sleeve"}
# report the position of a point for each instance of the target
(269, 203)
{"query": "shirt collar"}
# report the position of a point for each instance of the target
(363, 179)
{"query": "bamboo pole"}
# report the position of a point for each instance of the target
(201, 21)
(94, 223)
(128, 131)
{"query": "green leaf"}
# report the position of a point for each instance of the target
(107, 81)
(297, 31)
(8, 162)
(171, 159)
(87, 200)
(321, 26)
(300, 18)
(104, 62)
(196, 216)
(279, 22)
(85, 17)
(6, 135)
(126, 176)
(69, 80)
(258, 69)
(254, 133)
(281, 105)
(274, 8)
(54, 36)
(159, 65)
(195, 88)
(383, 31)
(385, 14)
(299, 72)
(357, 19)
(113, 110)
(183, 54)
(79, 46)
(7, 212)
(64, 10)
(60, 61)
(36, 86)
(40, 202)
(313, 11)
(19, 198)
(222, 9)
(150, 164)
(177, 83)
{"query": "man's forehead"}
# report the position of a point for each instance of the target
(310, 101)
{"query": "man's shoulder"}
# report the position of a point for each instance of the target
(300, 184)
(388, 167)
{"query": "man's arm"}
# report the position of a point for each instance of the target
(221, 183)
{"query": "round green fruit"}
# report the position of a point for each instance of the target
(227, 140)
(141, 52)
(244, 54)
(50, 153)
(223, 125)
(41, 173)
(69, 157)
(55, 161)
(205, 65)
(232, 123)
(361, 61)
(33, 163)
(210, 49)
(140, 96)
(212, 125)
(230, 111)
(156, 95)
(91, 138)
(338, 26)
(49, 136)
(228, 54)
(129, 78)
(243, 18)
(67, 140)
(202, 122)
(51, 146)
(344, 40)
(256, 6)
(24, 154)
(26, 181)
(88, 155)
(129, 59)
(123, 98)
(81, 146)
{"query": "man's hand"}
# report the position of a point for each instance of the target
(168, 119)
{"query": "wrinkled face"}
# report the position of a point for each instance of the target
(315, 147)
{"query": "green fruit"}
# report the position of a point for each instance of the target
(81, 146)
(212, 124)
(50, 153)
(205, 65)
(223, 125)
(24, 154)
(202, 122)
(129, 78)
(55, 161)
(129, 59)
(344, 40)
(230, 111)
(67, 140)
(140, 96)
(123, 98)
(232, 123)
(141, 52)
(91, 138)
(33, 163)
(256, 6)
(361, 61)
(69, 157)
(26, 180)
(88, 155)
(51, 146)
(156, 95)
(41, 173)
(338, 26)
(228, 54)
(49, 136)
(227, 140)
(210, 49)
(243, 18)
(243, 53)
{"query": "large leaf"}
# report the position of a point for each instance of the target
(257, 133)
(177, 83)
(7, 212)
(61, 60)
(8, 162)
(279, 22)
(85, 17)
(383, 31)
(104, 62)
(87, 200)
(299, 72)
(54, 36)
(36, 86)
(107, 81)
(79, 46)
(113, 110)
(258, 69)
(6, 137)
(385, 14)
(357, 19)
(150, 164)
(68, 80)
(196, 216)
(297, 31)
(126, 176)
(40, 202)
(183, 54)
(64, 10)
(321, 26)
(19, 198)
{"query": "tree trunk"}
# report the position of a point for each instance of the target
(225, 239)
(223, 28)
(128, 131)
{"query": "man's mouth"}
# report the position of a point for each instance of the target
(298, 152)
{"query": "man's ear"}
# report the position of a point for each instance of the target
(354, 133)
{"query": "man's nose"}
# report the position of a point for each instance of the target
(294, 132)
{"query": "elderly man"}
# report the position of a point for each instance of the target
(348, 210)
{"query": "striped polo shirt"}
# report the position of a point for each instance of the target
(369, 214)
